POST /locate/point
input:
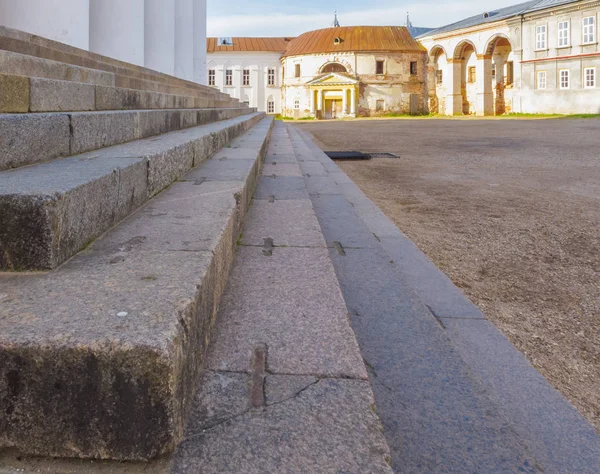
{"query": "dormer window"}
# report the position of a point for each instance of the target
(337, 40)
(226, 41)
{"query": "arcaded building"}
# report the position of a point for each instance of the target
(541, 56)
(354, 71)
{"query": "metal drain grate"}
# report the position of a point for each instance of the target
(383, 155)
(347, 155)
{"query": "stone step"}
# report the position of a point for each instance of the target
(16, 41)
(100, 358)
(22, 94)
(27, 139)
(51, 211)
(30, 66)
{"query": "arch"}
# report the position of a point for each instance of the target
(460, 48)
(211, 65)
(333, 67)
(491, 43)
(436, 51)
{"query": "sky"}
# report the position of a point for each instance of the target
(291, 18)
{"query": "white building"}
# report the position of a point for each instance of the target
(329, 73)
(168, 36)
(541, 56)
(248, 69)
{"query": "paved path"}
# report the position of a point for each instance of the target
(286, 389)
(453, 394)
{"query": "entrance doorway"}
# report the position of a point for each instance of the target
(333, 108)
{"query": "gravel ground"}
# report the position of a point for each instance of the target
(510, 211)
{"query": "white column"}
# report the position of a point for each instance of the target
(320, 99)
(67, 21)
(353, 101)
(117, 29)
(453, 87)
(184, 39)
(484, 104)
(159, 34)
(200, 41)
(344, 101)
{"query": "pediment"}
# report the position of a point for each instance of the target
(332, 78)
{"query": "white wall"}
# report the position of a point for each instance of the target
(66, 21)
(258, 92)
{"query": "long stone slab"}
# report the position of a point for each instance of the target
(100, 358)
(51, 211)
(27, 139)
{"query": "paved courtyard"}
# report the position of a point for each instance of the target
(510, 211)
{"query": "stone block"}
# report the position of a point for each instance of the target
(300, 315)
(48, 95)
(30, 66)
(14, 94)
(322, 426)
(290, 223)
(51, 211)
(91, 131)
(281, 188)
(30, 138)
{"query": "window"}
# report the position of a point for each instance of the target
(439, 76)
(510, 73)
(541, 79)
(297, 71)
(379, 67)
(334, 67)
(212, 77)
(589, 77)
(271, 76)
(472, 74)
(228, 77)
(589, 30)
(380, 106)
(246, 77)
(564, 78)
(297, 104)
(246, 103)
(271, 107)
(563, 34)
(540, 37)
(413, 68)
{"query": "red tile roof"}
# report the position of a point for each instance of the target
(354, 39)
(276, 45)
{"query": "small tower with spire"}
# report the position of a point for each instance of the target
(336, 23)
(408, 23)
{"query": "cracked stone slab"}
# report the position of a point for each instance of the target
(290, 223)
(327, 427)
(291, 302)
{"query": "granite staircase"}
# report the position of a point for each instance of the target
(122, 192)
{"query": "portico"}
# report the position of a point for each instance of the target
(333, 96)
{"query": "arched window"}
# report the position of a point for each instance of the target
(334, 67)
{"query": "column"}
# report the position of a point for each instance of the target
(184, 39)
(256, 84)
(353, 102)
(484, 104)
(344, 101)
(67, 21)
(454, 97)
(159, 35)
(117, 29)
(200, 41)
(312, 104)
(320, 99)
